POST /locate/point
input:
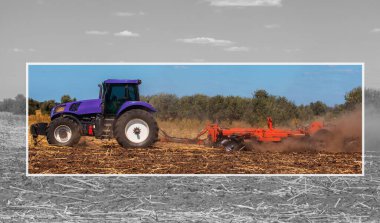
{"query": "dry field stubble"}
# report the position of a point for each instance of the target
(93, 156)
(182, 199)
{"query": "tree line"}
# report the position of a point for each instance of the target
(46, 106)
(15, 105)
(253, 110)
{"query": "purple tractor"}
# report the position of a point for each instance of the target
(118, 113)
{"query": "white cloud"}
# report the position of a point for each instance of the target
(96, 32)
(375, 30)
(293, 50)
(127, 33)
(207, 41)
(124, 14)
(127, 14)
(227, 45)
(272, 26)
(237, 49)
(244, 3)
(17, 50)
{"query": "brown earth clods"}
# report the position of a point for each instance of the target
(94, 156)
(339, 152)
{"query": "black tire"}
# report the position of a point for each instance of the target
(123, 121)
(59, 122)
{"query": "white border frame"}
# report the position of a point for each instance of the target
(192, 175)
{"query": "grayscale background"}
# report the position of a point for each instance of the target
(186, 31)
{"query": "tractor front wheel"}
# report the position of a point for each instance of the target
(63, 132)
(136, 128)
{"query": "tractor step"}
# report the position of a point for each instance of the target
(107, 128)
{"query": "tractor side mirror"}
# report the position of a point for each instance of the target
(100, 91)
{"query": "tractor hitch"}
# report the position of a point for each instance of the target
(38, 129)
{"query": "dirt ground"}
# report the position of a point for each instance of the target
(93, 156)
(181, 199)
(107, 157)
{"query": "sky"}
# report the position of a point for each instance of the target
(186, 31)
(301, 84)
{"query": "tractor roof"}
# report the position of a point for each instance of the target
(122, 81)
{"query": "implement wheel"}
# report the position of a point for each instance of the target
(232, 145)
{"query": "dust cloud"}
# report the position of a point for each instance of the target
(342, 134)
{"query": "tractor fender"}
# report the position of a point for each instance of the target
(135, 105)
(68, 115)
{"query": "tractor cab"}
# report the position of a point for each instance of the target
(114, 93)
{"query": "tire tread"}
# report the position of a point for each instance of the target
(59, 121)
(120, 123)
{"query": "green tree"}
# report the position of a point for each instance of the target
(261, 94)
(199, 106)
(16, 105)
(166, 105)
(234, 108)
(216, 108)
(282, 110)
(318, 107)
(353, 98)
(66, 98)
(19, 106)
(46, 106)
(7, 105)
(259, 108)
(304, 113)
(33, 105)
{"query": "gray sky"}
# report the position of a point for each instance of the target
(186, 31)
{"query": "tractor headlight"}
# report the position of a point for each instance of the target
(59, 109)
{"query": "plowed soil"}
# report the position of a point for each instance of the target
(337, 154)
(94, 156)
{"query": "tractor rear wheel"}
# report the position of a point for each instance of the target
(136, 128)
(63, 132)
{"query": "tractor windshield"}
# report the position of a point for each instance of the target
(132, 92)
